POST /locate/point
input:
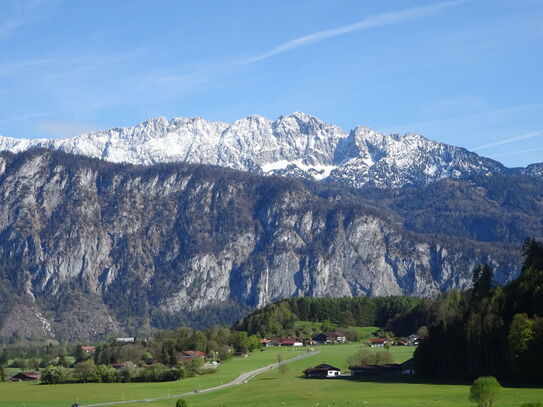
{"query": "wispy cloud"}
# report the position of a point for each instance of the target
(23, 117)
(375, 21)
(21, 12)
(517, 152)
(507, 141)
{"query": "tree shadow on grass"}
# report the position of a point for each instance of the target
(411, 379)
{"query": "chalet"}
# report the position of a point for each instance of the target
(91, 350)
(26, 377)
(322, 371)
(188, 355)
(378, 342)
(330, 337)
(406, 367)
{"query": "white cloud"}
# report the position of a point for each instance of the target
(378, 20)
(507, 140)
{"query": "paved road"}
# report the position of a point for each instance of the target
(242, 378)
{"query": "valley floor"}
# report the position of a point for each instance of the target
(273, 388)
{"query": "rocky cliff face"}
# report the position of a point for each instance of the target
(95, 247)
(297, 145)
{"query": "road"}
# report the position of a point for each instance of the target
(242, 378)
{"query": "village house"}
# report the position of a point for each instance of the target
(330, 337)
(26, 377)
(188, 355)
(322, 371)
(91, 350)
(290, 341)
(378, 342)
(414, 339)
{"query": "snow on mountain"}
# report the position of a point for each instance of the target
(295, 145)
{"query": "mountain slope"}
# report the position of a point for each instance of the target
(97, 247)
(296, 145)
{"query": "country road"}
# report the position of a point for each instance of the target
(242, 378)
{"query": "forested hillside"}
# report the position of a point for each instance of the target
(278, 318)
(488, 330)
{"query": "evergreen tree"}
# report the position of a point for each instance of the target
(79, 354)
(4, 357)
(482, 280)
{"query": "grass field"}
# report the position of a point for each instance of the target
(363, 331)
(272, 388)
(36, 395)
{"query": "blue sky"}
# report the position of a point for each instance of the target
(467, 73)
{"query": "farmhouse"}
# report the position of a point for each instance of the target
(406, 367)
(330, 337)
(26, 377)
(322, 371)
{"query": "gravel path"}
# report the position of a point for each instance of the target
(242, 378)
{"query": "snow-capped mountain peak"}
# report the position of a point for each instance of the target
(298, 144)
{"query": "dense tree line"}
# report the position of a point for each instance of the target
(278, 319)
(487, 330)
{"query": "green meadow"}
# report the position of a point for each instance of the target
(274, 388)
(363, 331)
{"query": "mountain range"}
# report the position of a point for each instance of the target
(146, 227)
(298, 145)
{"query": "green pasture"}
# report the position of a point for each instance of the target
(36, 395)
(363, 331)
(272, 388)
(292, 389)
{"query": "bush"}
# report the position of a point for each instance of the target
(55, 375)
(182, 371)
(181, 403)
(484, 391)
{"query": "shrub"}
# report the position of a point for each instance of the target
(181, 403)
(485, 390)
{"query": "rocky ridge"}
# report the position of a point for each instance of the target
(98, 247)
(297, 145)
